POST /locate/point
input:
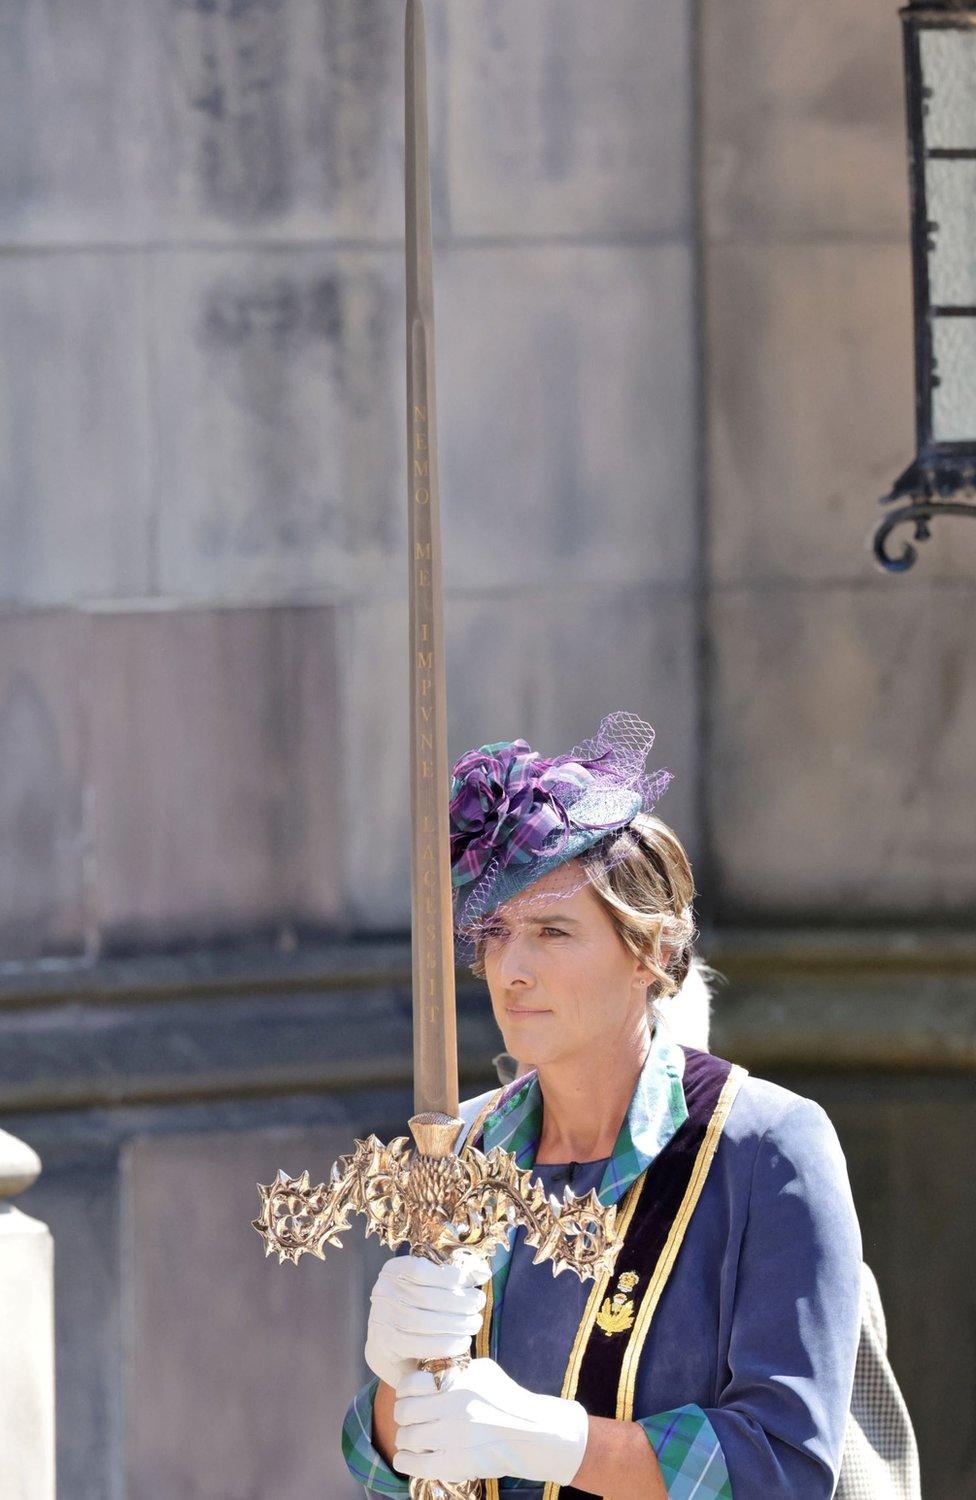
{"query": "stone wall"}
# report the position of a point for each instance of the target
(674, 369)
(202, 507)
(841, 701)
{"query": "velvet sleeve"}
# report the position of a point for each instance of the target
(782, 1414)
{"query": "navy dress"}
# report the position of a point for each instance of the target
(757, 1327)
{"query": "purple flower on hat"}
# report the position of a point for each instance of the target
(507, 803)
(514, 816)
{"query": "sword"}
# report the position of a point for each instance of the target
(435, 1032)
(437, 1200)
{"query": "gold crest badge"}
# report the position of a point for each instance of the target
(617, 1313)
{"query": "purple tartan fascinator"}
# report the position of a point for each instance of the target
(516, 816)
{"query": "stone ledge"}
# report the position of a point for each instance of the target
(250, 1022)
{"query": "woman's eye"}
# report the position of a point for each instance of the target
(491, 932)
(554, 931)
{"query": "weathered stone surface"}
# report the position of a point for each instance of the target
(843, 724)
(811, 412)
(43, 837)
(567, 404)
(170, 1051)
(804, 120)
(287, 119)
(292, 1336)
(546, 667)
(567, 416)
(213, 759)
(80, 94)
(281, 418)
(75, 486)
(205, 120)
(569, 118)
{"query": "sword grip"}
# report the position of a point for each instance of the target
(435, 1134)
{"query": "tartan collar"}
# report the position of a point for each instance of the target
(656, 1111)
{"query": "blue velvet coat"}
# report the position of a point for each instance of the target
(744, 1381)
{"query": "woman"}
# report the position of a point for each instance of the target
(718, 1358)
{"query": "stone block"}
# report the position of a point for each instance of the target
(213, 765)
(43, 833)
(568, 411)
(240, 1369)
(374, 726)
(281, 418)
(76, 484)
(843, 724)
(811, 412)
(546, 668)
(81, 90)
(804, 120)
(283, 120)
(207, 119)
(570, 119)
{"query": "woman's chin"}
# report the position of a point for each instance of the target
(527, 1055)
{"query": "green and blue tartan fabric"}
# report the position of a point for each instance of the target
(362, 1459)
(684, 1440)
(690, 1455)
(657, 1110)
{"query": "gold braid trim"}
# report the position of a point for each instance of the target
(588, 1320)
(471, 1134)
(666, 1260)
(482, 1349)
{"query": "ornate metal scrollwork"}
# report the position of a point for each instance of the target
(441, 1204)
(436, 1205)
(920, 514)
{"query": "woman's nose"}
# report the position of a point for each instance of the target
(513, 962)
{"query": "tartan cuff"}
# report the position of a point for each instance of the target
(689, 1453)
(363, 1460)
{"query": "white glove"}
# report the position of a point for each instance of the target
(482, 1425)
(420, 1310)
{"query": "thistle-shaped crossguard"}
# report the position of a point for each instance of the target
(439, 1203)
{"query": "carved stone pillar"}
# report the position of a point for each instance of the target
(27, 1345)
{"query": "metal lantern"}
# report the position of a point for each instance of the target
(940, 81)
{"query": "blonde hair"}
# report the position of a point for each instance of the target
(643, 879)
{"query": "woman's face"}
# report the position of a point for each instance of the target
(562, 982)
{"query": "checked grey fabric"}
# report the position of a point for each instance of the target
(880, 1453)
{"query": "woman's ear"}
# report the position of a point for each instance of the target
(644, 974)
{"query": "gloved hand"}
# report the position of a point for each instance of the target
(482, 1425)
(419, 1310)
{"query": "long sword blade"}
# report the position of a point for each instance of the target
(434, 1016)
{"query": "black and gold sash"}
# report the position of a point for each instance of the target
(601, 1371)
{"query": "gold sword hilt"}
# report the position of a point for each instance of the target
(442, 1204)
(438, 1202)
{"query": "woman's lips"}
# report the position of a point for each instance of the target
(524, 1010)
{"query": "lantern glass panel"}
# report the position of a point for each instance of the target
(954, 398)
(948, 59)
(950, 198)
